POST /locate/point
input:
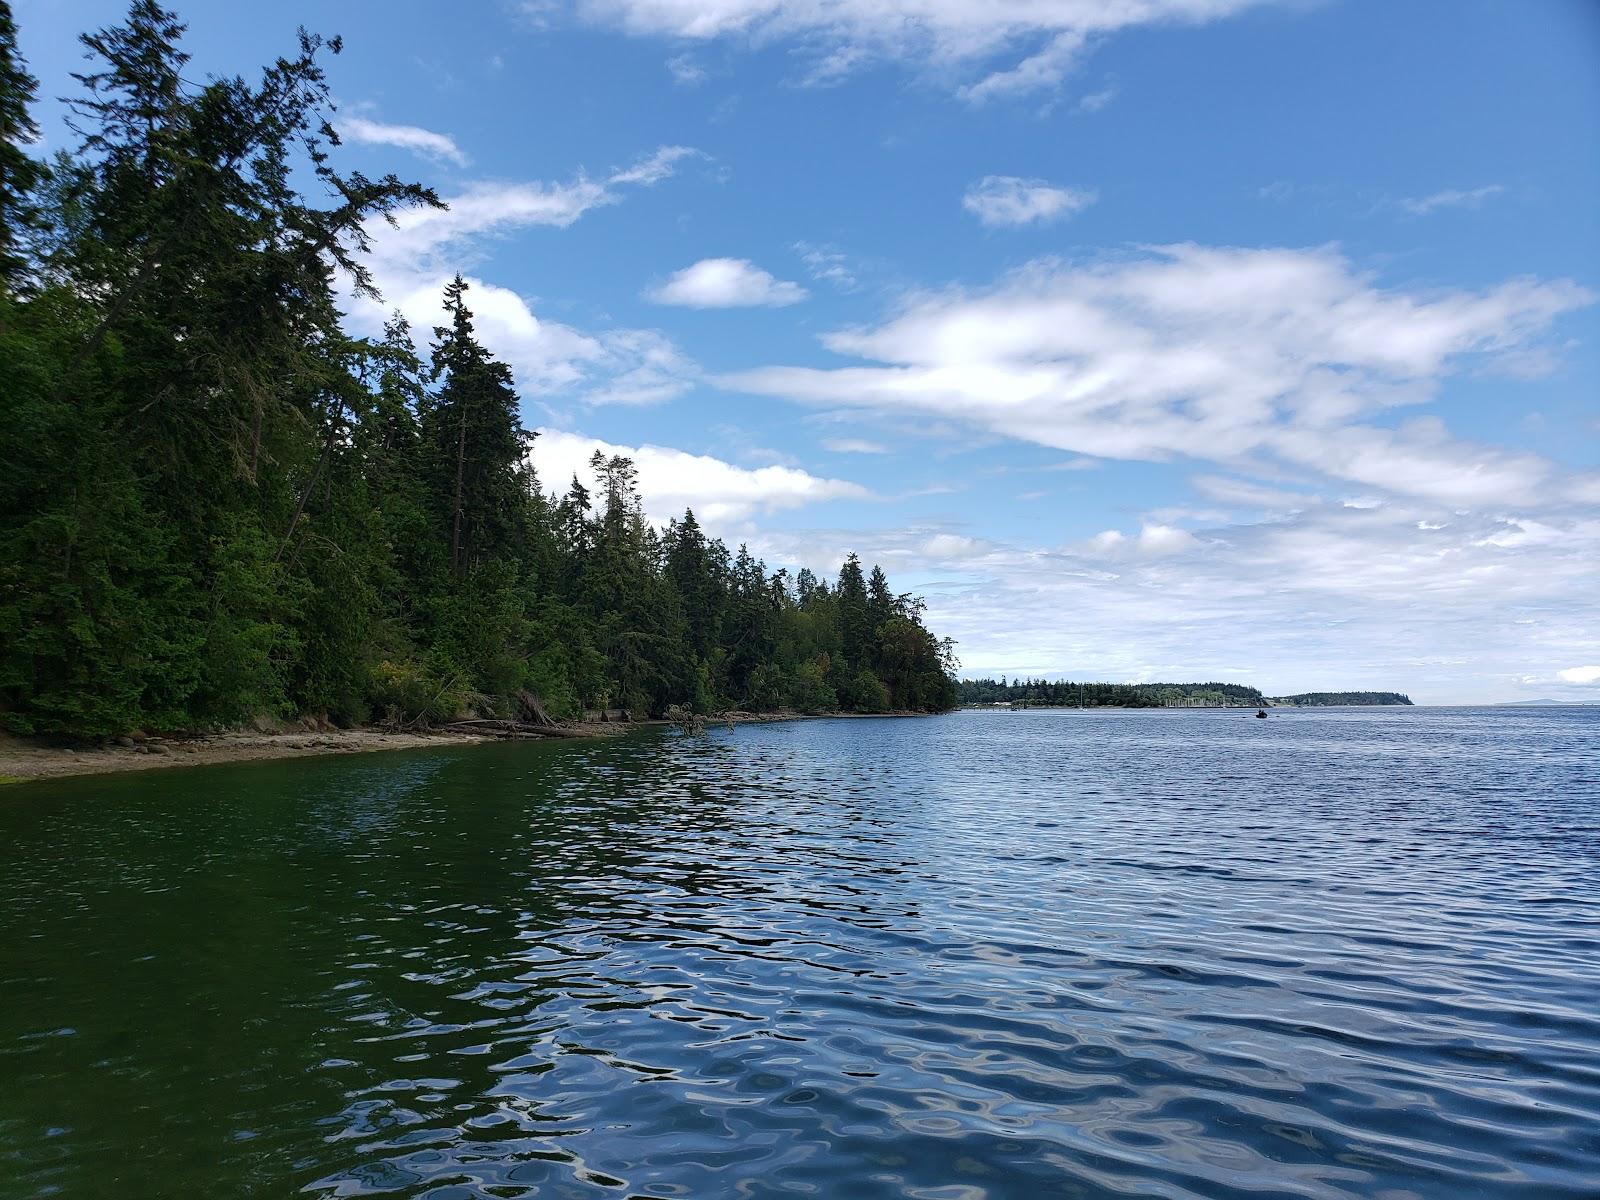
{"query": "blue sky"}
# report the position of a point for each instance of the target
(1148, 339)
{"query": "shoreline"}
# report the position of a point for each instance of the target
(23, 760)
(26, 760)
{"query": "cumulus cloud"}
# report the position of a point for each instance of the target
(1006, 200)
(957, 38)
(1154, 540)
(726, 283)
(1236, 356)
(672, 480)
(1583, 675)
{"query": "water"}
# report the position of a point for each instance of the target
(1338, 953)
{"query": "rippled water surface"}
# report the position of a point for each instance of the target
(1337, 953)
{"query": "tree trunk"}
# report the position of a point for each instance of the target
(461, 457)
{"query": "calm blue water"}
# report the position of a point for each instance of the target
(1337, 953)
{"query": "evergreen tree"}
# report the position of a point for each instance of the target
(855, 615)
(474, 446)
(218, 505)
(20, 173)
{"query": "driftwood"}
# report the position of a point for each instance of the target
(531, 709)
(511, 729)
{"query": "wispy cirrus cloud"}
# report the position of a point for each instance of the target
(439, 147)
(827, 264)
(1221, 354)
(415, 257)
(653, 168)
(854, 446)
(493, 208)
(988, 51)
(1451, 198)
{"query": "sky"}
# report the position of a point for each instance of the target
(1241, 340)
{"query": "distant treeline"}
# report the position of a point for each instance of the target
(1059, 693)
(1067, 693)
(1314, 699)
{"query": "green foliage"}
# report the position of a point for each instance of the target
(20, 173)
(409, 692)
(809, 691)
(1064, 693)
(1323, 699)
(217, 505)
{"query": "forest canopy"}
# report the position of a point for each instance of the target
(217, 503)
(1064, 693)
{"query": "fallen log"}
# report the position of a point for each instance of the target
(511, 729)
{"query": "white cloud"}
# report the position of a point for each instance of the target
(620, 366)
(1246, 494)
(827, 265)
(1451, 198)
(437, 146)
(950, 546)
(412, 260)
(685, 71)
(672, 480)
(1006, 200)
(429, 238)
(1234, 356)
(1095, 101)
(854, 446)
(726, 283)
(950, 37)
(545, 356)
(1154, 540)
(643, 367)
(1164, 539)
(1325, 598)
(1041, 71)
(653, 168)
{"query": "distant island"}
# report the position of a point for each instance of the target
(1066, 693)
(1319, 699)
(1545, 703)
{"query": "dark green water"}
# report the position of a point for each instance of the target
(1177, 954)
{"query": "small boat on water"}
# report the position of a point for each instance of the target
(1262, 713)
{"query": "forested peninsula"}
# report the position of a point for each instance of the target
(1065, 693)
(218, 504)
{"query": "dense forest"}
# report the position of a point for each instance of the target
(218, 504)
(1064, 693)
(1322, 699)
